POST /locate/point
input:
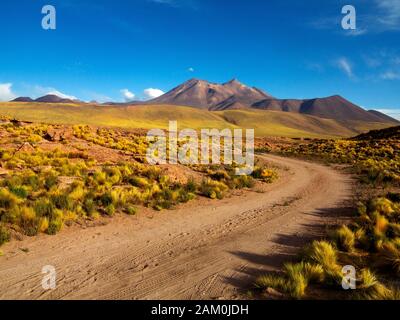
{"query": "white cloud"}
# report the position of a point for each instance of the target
(128, 96)
(345, 65)
(390, 75)
(6, 93)
(191, 69)
(152, 93)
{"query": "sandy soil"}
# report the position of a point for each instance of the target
(212, 250)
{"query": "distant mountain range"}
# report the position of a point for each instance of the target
(50, 98)
(234, 95)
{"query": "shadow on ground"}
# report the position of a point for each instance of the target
(286, 248)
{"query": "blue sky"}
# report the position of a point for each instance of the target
(111, 50)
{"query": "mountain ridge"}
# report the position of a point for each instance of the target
(234, 95)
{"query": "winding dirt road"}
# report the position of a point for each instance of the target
(212, 251)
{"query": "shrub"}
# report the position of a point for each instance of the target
(131, 210)
(367, 279)
(4, 235)
(361, 239)
(185, 196)
(33, 181)
(7, 199)
(191, 185)
(62, 201)
(389, 256)
(153, 173)
(28, 221)
(213, 189)
(89, 205)
(77, 192)
(138, 182)
(106, 199)
(56, 222)
(381, 205)
(44, 208)
(244, 182)
(324, 254)
(220, 175)
(50, 181)
(20, 192)
(110, 210)
(100, 178)
(344, 238)
(321, 252)
(297, 279)
(165, 199)
(43, 224)
(276, 282)
(264, 174)
(314, 273)
(369, 288)
(381, 225)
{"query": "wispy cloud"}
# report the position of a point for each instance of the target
(6, 93)
(390, 75)
(389, 14)
(383, 64)
(345, 65)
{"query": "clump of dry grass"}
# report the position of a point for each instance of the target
(295, 279)
(4, 235)
(344, 238)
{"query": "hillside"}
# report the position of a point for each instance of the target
(265, 123)
(392, 133)
(234, 95)
(382, 116)
(334, 107)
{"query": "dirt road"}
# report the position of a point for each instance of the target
(210, 251)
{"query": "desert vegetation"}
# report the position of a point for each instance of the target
(375, 157)
(370, 241)
(52, 176)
